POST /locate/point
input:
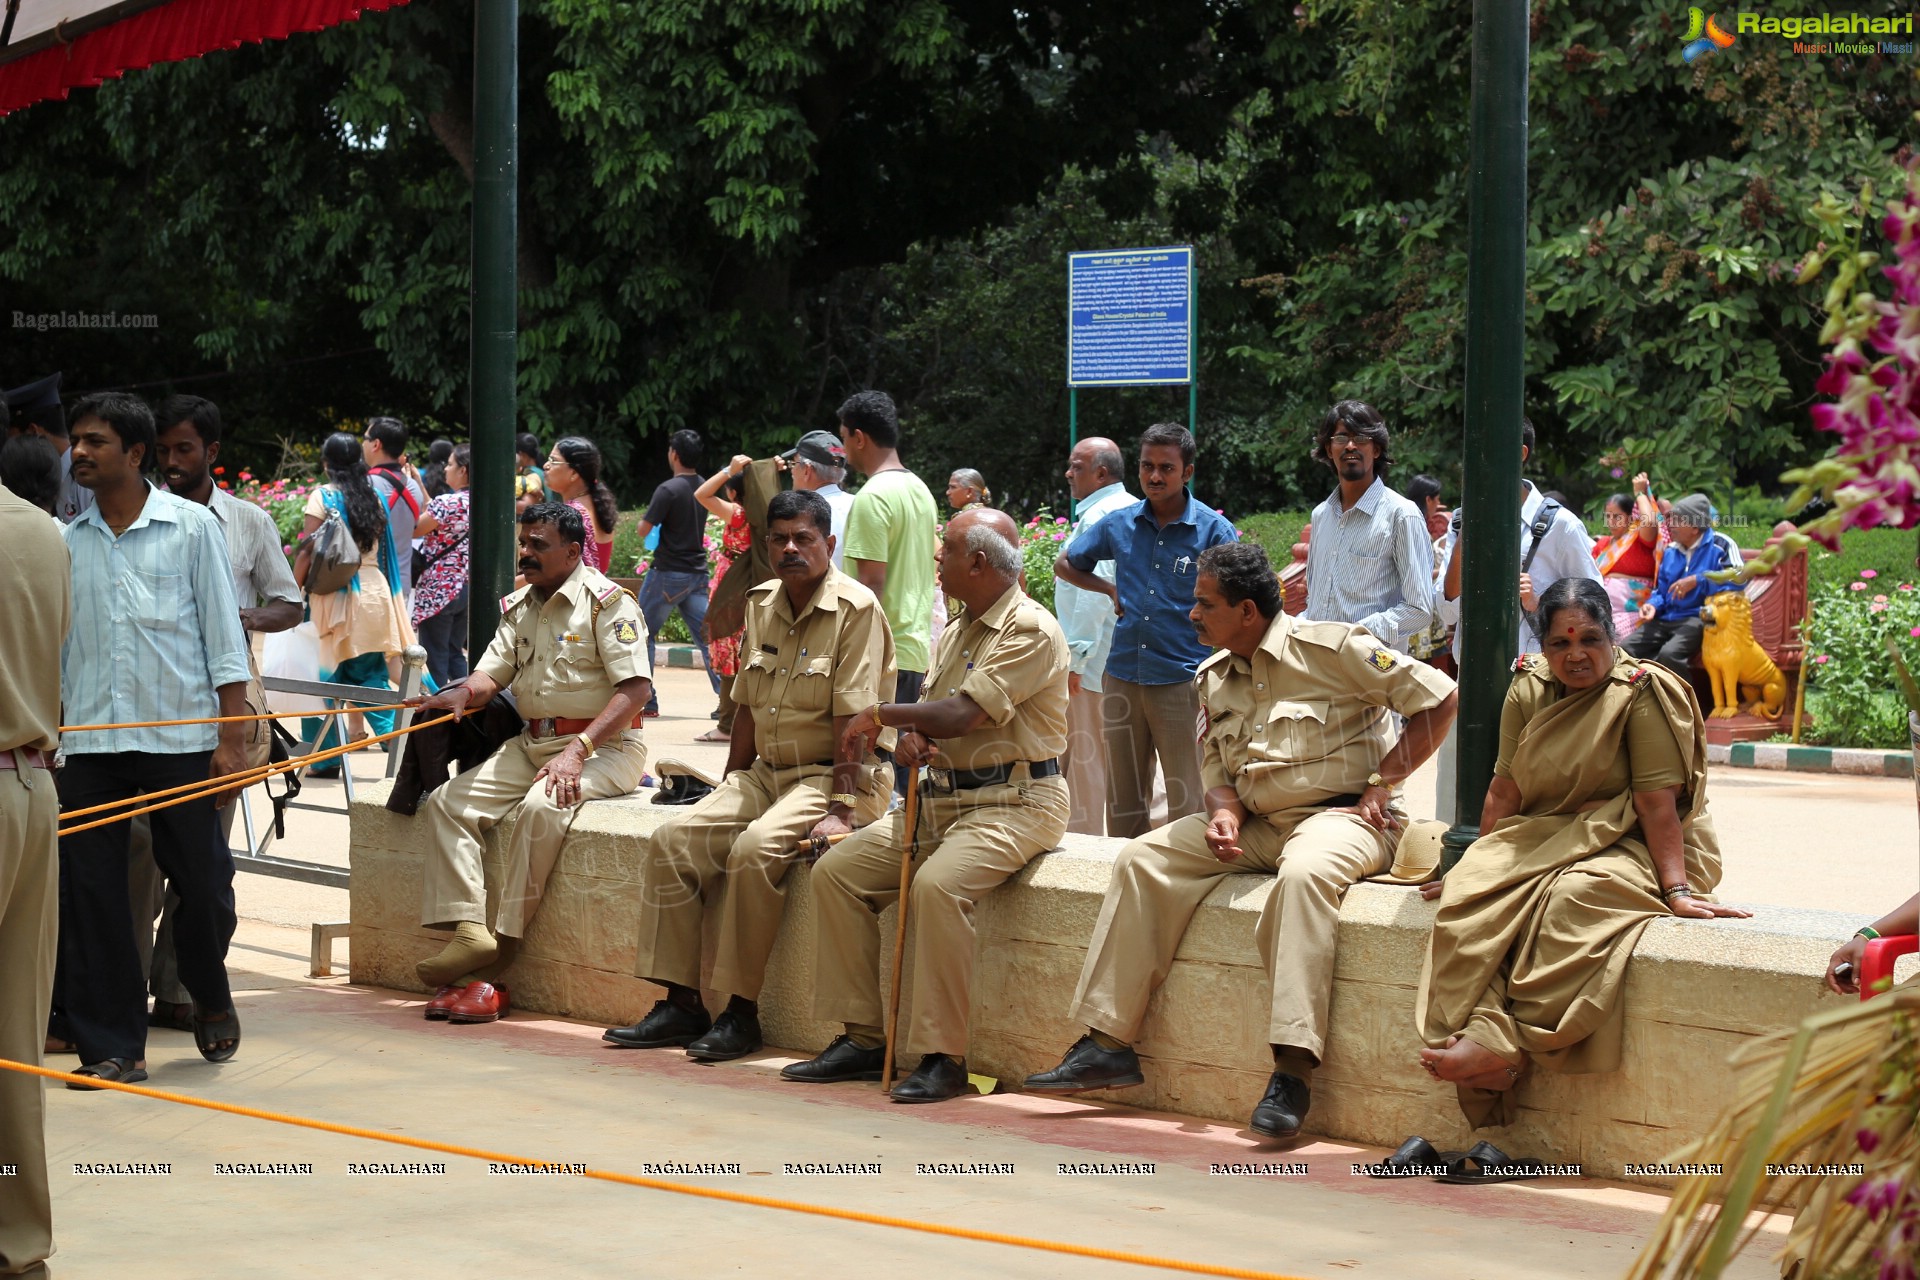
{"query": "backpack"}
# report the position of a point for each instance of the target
(336, 556)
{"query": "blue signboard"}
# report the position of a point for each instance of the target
(1130, 317)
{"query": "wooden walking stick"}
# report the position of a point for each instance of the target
(909, 845)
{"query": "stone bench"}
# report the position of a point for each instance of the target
(1695, 992)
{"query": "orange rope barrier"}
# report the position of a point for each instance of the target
(271, 715)
(658, 1184)
(226, 782)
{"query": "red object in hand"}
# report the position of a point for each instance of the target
(1876, 961)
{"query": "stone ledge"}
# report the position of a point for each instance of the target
(1695, 991)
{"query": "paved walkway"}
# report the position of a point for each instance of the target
(540, 1087)
(544, 1087)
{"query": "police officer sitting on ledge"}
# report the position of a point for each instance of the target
(1299, 783)
(992, 727)
(816, 651)
(572, 648)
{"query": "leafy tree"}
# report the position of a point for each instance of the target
(687, 171)
(1668, 209)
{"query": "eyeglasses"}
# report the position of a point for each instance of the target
(1343, 441)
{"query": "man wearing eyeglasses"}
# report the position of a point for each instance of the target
(817, 650)
(1370, 557)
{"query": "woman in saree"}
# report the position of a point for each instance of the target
(1629, 555)
(1595, 824)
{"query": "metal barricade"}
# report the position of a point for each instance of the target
(254, 857)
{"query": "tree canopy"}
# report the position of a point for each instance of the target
(733, 214)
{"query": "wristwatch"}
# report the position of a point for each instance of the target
(585, 740)
(846, 798)
(1375, 780)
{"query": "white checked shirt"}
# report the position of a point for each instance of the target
(1087, 617)
(1371, 564)
(1565, 552)
(155, 628)
(261, 573)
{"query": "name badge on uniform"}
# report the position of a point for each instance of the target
(773, 649)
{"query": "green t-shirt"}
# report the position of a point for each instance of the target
(892, 521)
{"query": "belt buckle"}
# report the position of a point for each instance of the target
(941, 780)
(542, 727)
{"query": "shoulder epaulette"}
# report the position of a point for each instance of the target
(1636, 675)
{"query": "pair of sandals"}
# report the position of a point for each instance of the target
(217, 1039)
(1481, 1163)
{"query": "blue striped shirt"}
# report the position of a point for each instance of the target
(155, 628)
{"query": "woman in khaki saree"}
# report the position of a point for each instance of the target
(1596, 823)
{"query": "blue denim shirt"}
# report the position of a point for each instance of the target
(1153, 641)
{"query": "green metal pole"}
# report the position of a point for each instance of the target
(492, 351)
(1496, 343)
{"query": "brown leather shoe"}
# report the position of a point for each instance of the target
(479, 1002)
(442, 1002)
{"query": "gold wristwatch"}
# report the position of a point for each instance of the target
(1375, 780)
(846, 798)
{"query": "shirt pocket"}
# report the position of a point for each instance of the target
(1298, 732)
(811, 688)
(156, 599)
(753, 683)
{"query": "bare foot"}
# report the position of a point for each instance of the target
(1463, 1059)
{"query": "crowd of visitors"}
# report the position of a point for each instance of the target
(1168, 666)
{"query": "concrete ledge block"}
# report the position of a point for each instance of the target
(1695, 991)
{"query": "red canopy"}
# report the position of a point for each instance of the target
(53, 46)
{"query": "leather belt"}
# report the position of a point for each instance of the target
(1346, 801)
(974, 779)
(565, 726)
(33, 756)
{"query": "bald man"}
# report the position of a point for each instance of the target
(990, 728)
(1094, 475)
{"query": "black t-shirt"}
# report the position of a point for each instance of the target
(682, 522)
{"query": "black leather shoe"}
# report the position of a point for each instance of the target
(936, 1079)
(841, 1060)
(1088, 1066)
(667, 1026)
(1281, 1112)
(734, 1035)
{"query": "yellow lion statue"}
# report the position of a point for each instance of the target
(1735, 663)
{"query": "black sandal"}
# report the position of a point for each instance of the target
(171, 1017)
(1416, 1158)
(113, 1070)
(1485, 1162)
(208, 1032)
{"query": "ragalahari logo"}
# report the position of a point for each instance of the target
(1704, 35)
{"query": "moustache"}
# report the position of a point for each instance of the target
(529, 566)
(792, 562)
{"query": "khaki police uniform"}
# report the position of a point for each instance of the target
(797, 672)
(39, 609)
(561, 660)
(1295, 731)
(1012, 661)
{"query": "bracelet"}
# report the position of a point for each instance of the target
(1681, 890)
(586, 740)
(876, 714)
(1868, 932)
(846, 798)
